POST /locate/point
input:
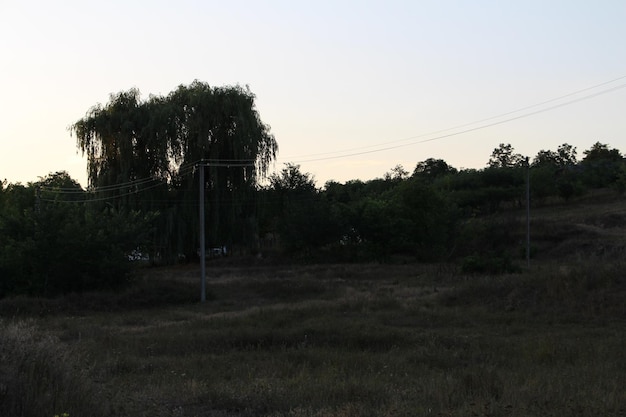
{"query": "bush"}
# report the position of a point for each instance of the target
(489, 264)
(39, 377)
(66, 249)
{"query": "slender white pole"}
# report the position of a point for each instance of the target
(202, 244)
(527, 213)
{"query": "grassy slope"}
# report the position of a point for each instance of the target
(340, 340)
(591, 225)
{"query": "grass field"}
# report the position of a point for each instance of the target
(325, 340)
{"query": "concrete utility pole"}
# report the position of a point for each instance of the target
(527, 213)
(202, 244)
(37, 200)
(203, 163)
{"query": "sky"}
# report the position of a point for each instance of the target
(351, 89)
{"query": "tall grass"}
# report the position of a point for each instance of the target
(41, 377)
(338, 341)
(581, 289)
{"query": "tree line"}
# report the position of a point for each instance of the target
(425, 215)
(142, 198)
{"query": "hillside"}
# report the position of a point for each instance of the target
(341, 340)
(592, 225)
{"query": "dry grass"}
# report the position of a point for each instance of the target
(338, 340)
(42, 377)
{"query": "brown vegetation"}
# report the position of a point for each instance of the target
(338, 340)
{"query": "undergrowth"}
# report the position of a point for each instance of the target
(409, 340)
(41, 377)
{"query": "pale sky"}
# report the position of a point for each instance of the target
(339, 82)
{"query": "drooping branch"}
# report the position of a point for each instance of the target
(128, 138)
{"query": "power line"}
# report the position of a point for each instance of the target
(188, 169)
(119, 186)
(468, 130)
(362, 150)
(105, 188)
(112, 197)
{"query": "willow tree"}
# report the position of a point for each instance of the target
(142, 154)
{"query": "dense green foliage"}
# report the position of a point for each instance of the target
(142, 199)
(49, 247)
(143, 155)
(431, 214)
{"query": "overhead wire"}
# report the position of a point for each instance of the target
(386, 148)
(120, 186)
(385, 145)
(183, 170)
(96, 199)
(130, 187)
(187, 168)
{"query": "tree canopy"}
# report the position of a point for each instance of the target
(143, 197)
(504, 157)
(565, 156)
(144, 153)
(129, 139)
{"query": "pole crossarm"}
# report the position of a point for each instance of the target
(226, 163)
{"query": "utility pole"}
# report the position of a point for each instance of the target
(527, 213)
(203, 163)
(202, 244)
(38, 200)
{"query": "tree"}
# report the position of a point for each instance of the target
(143, 152)
(129, 139)
(300, 215)
(59, 186)
(429, 220)
(432, 169)
(53, 241)
(292, 179)
(397, 173)
(601, 152)
(601, 166)
(565, 156)
(503, 157)
(553, 173)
